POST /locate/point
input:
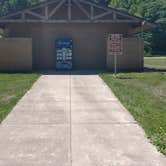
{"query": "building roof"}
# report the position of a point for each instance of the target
(45, 12)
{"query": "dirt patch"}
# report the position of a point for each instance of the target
(6, 98)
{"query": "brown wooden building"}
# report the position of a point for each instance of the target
(86, 23)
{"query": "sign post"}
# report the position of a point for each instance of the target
(116, 47)
(115, 64)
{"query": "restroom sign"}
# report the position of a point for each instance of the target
(116, 44)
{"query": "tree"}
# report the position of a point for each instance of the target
(152, 10)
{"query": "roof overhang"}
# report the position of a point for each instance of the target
(44, 13)
(142, 27)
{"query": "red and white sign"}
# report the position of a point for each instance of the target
(116, 44)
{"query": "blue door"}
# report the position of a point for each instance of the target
(64, 52)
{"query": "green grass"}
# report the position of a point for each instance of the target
(144, 95)
(155, 62)
(12, 88)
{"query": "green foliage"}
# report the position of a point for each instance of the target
(7, 6)
(152, 10)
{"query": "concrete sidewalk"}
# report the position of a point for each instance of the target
(73, 120)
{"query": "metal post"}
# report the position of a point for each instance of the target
(115, 64)
(140, 46)
(142, 29)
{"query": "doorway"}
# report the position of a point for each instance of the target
(64, 54)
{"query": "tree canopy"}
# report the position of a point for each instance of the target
(152, 10)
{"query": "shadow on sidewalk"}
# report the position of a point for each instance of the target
(76, 72)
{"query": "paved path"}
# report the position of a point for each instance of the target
(73, 120)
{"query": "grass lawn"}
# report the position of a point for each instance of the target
(12, 88)
(144, 95)
(155, 63)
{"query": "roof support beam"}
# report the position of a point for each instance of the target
(66, 21)
(23, 16)
(92, 12)
(81, 8)
(69, 9)
(108, 9)
(56, 8)
(86, 7)
(46, 12)
(102, 15)
(114, 16)
(35, 14)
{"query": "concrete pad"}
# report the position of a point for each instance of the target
(39, 113)
(86, 81)
(90, 88)
(34, 145)
(49, 88)
(73, 120)
(100, 112)
(113, 145)
(47, 94)
(53, 80)
(46, 97)
(52, 83)
(92, 94)
(37, 131)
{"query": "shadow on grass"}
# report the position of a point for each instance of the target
(127, 75)
(146, 69)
